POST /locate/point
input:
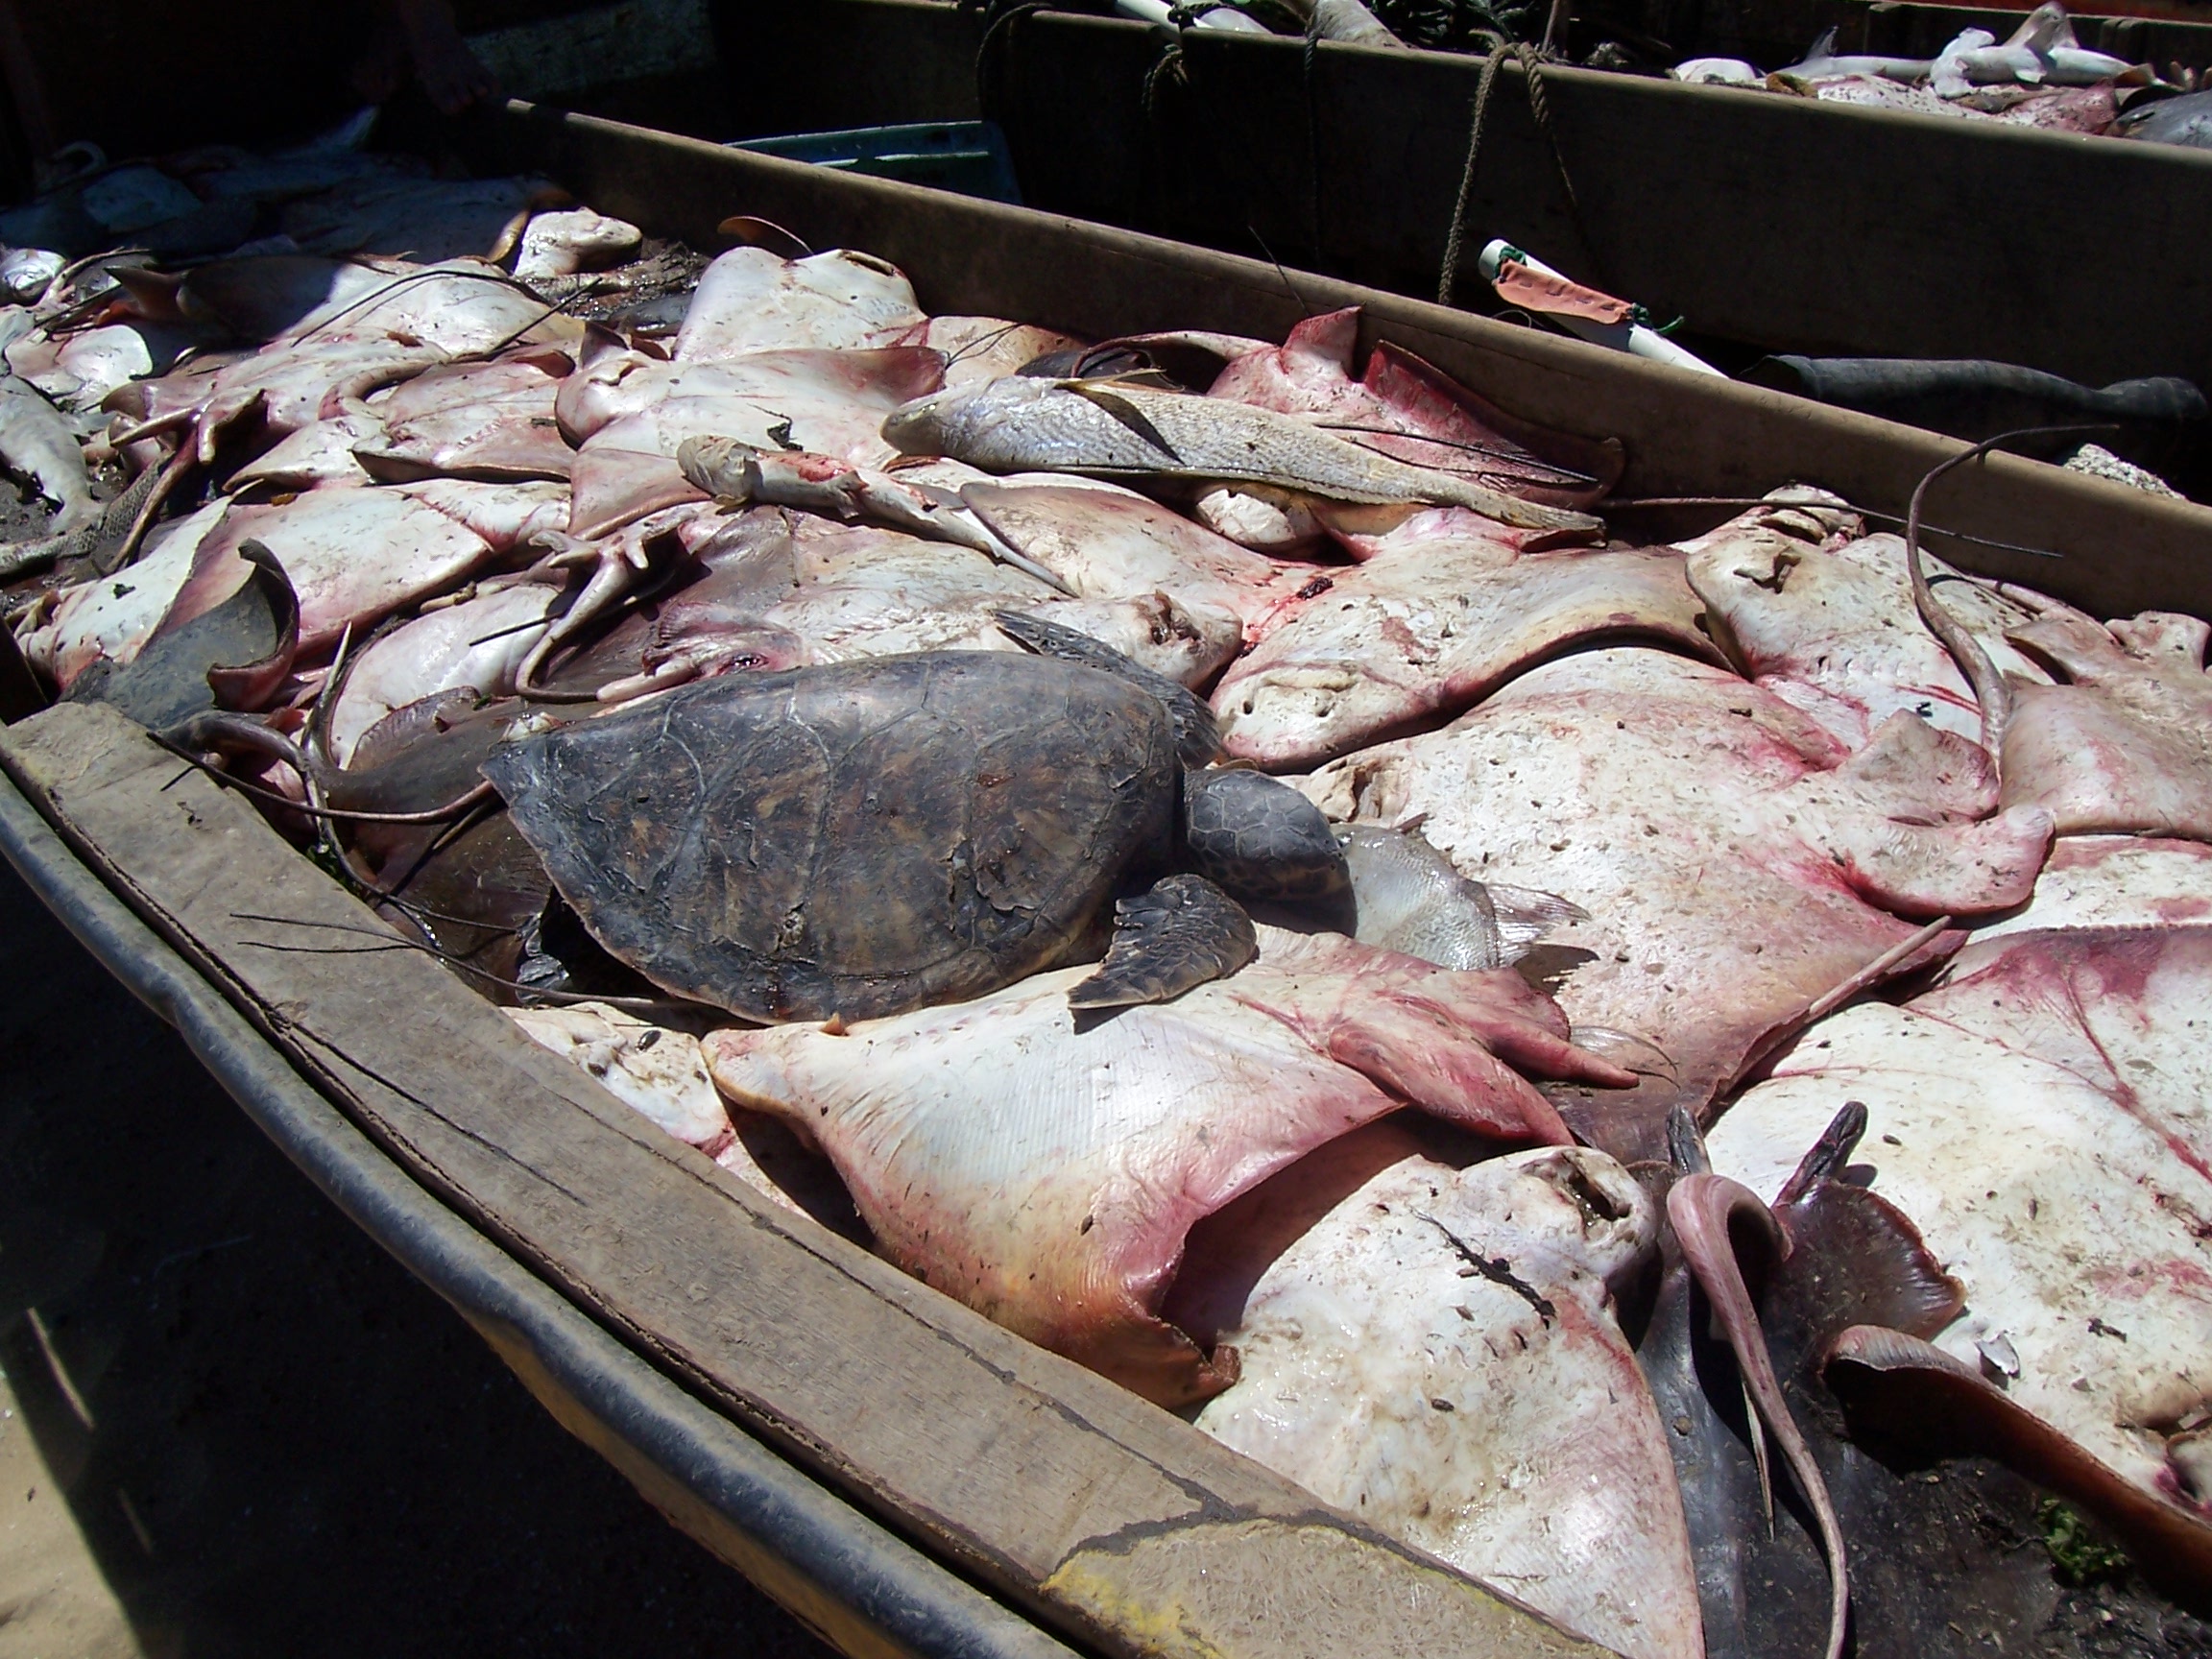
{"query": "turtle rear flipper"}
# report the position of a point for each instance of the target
(1180, 934)
(1197, 737)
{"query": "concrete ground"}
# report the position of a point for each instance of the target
(230, 1425)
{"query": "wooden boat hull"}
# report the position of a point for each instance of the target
(1781, 222)
(906, 1475)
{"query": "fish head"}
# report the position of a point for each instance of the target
(936, 424)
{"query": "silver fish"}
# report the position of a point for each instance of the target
(36, 442)
(1822, 62)
(1120, 430)
(1411, 899)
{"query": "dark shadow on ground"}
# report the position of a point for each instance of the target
(295, 1447)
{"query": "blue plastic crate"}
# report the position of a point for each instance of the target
(967, 156)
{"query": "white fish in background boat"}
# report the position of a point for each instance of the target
(1048, 1175)
(1736, 862)
(1716, 72)
(750, 300)
(2125, 743)
(1355, 654)
(1823, 617)
(2042, 51)
(1822, 63)
(1495, 1418)
(37, 443)
(1024, 424)
(2042, 1116)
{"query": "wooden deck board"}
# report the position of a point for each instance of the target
(1115, 1521)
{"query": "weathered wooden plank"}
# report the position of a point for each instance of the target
(1112, 1519)
(1686, 434)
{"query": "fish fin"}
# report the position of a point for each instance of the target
(249, 685)
(1525, 915)
(1183, 933)
(2043, 27)
(1827, 1156)
(1822, 47)
(1123, 410)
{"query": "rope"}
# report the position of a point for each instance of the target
(1540, 106)
(991, 53)
(1455, 239)
(1169, 75)
(1309, 66)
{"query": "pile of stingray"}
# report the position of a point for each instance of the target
(1639, 1070)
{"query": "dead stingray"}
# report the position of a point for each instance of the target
(233, 656)
(1940, 1551)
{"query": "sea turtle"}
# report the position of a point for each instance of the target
(866, 837)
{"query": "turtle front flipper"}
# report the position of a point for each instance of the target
(1180, 934)
(1197, 736)
(1261, 840)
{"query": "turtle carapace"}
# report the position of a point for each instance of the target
(862, 838)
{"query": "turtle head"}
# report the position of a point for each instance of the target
(1261, 840)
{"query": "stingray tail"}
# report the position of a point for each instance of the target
(1703, 1210)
